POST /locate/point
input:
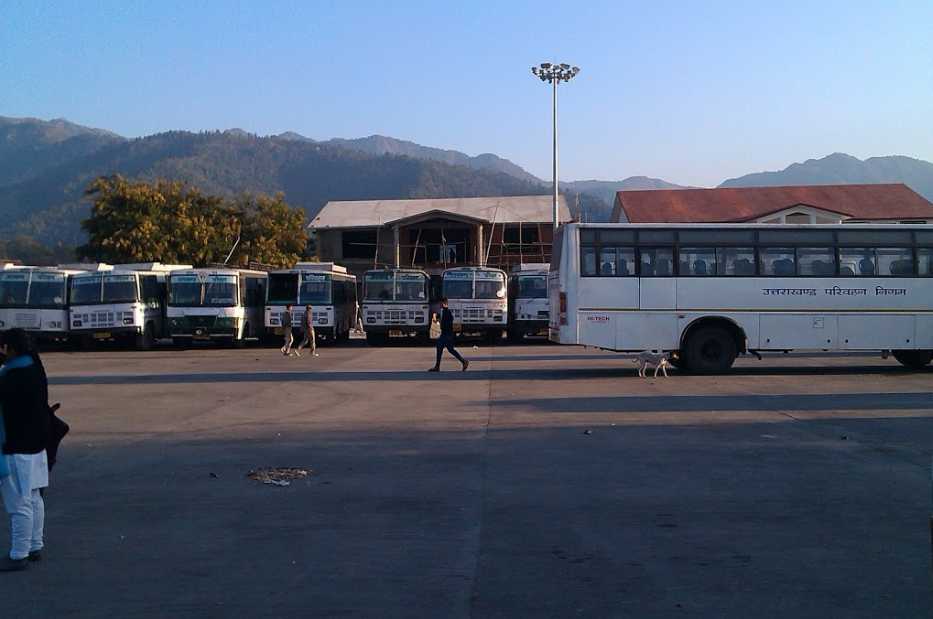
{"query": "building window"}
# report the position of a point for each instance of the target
(359, 244)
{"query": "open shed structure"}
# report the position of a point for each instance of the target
(438, 233)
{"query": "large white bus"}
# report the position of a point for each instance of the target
(327, 287)
(36, 299)
(478, 300)
(710, 292)
(127, 303)
(528, 302)
(220, 305)
(396, 303)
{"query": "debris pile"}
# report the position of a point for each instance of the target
(278, 476)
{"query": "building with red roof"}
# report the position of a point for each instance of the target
(802, 204)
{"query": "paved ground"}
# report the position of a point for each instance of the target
(544, 482)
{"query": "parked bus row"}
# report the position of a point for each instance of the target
(138, 304)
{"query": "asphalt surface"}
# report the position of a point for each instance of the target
(543, 482)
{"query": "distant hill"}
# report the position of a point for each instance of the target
(29, 146)
(49, 205)
(840, 168)
(606, 190)
(383, 145)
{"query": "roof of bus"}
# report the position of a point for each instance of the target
(473, 269)
(396, 270)
(210, 271)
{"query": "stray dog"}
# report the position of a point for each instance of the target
(647, 358)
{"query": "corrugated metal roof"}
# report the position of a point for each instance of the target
(369, 213)
(742, 204)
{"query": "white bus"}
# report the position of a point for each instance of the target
(327, 287)
(478, 300)
(396, 303)
(710, 292)
(528, 302)
(127, 304)
(36, 299)
(220, 305)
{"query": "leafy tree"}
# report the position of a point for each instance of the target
(173, 222)
(272, 232)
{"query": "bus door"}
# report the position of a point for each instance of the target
(657, 286)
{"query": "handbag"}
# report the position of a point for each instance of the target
(435, 331)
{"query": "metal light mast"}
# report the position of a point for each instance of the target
(555, 73)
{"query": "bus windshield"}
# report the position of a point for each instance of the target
(410, 287)
(283, 288)
(220, 290)
(47, 290)
(85, 290)
(13, 288)
(490, 285)
(532, 287)
(378, 286)
(458, 285)
(184, 290)
(120, 289)
(315, 289)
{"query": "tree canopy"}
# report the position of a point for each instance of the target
(173, 222)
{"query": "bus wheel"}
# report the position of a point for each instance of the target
(914, 359)
(710, 350)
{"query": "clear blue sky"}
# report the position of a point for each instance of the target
(692, 92)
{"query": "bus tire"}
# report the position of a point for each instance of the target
(710, 350)
(914, 359)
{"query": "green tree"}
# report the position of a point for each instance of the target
(173, 222)
(272, 232)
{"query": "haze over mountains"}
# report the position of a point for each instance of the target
(46, 165)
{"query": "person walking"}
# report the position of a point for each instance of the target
(287, 330)
(24, 408)
(446, 340)
(307, 325)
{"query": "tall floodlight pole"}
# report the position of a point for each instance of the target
(555, 73)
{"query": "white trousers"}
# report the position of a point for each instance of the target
(27, 517)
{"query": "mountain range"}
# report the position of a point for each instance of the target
(46, 165)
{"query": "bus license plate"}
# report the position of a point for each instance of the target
(105, 335)
(395, 333)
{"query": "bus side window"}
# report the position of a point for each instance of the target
(816, 261)
(735, 261)
(925, 261)
(895, 261)
(588, 265)
(857, 261)
(698, 262)
(656, 261)
(778, 261)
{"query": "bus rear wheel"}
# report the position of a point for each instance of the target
(914, 359)
(710, 350)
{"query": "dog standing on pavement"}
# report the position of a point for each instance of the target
(648, 358)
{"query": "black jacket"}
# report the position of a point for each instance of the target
(24, 400)
(447, 322)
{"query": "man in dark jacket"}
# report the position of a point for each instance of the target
(24, 407)
(446, 340)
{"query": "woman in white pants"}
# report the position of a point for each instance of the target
(25, 468)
